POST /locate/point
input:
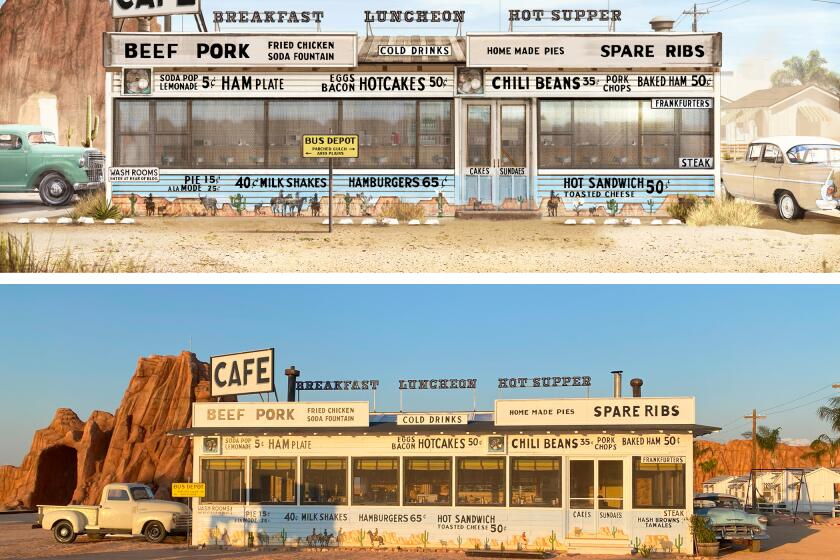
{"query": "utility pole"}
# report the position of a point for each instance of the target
(694, 13)
(754, 417)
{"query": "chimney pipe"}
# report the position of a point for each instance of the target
(617, 383)
(291, 375)
(662, 23)
(636, 383)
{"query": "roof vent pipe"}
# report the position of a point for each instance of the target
(636, 383)
(662, 23)
(291, 376)
(617, 383)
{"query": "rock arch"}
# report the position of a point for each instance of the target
(55, 479)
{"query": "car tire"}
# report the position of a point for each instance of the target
(755, 546)
(154, 532)
(55, 190)
(788, 208)
(63, 532)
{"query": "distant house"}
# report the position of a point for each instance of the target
(717, 484)
(784, 111)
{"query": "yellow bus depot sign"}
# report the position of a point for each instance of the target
(331, 146)
(188, 489)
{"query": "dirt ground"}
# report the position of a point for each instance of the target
(302, 245)
(802, 541)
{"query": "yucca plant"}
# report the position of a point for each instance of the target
(95, 205)
(403, 211)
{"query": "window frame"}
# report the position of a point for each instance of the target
(153, 138)
(404, 481)
(302, 480)
(18, 145)
(457, 472)
(296, 485)
(677, 134)
(352, 495)
(243, 488)
(511, 470)
(637, 459)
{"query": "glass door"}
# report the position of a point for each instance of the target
(596, 499)
(495, 162)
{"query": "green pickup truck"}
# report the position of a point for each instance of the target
(32, 161)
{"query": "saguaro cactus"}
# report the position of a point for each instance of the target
(91, 124)
(237, 202)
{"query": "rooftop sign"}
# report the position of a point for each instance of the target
(281, 415)
(595, 412)
(148, 8)
(211, 50)
(243, 373)
(605, 50)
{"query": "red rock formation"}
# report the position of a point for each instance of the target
(71, 461)
(735, 457)
(54, 48)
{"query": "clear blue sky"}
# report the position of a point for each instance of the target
(733, 347)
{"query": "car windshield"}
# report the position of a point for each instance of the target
(815, 153)
(141, 493)
(42, 138)
(727, 503)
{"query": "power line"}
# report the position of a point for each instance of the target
(823, 388)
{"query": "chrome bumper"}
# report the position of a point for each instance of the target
(87, 186)
(824, 204)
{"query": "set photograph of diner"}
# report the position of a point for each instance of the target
(492, 482)
(472, 129)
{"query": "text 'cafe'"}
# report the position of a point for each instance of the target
(589, 123)
(587, 475)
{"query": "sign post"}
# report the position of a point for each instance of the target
(331, 146)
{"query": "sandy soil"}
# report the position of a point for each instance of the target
(802, 541)
(302, 245)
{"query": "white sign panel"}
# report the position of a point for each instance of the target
(697, 163)
(302, 84)
(572, 85)
(278, 50)
(243, 373)
(147, 8)
(432, 418)
(283, 415)
(134, 174)
(595, 412)
(607, 50)
(683, 102)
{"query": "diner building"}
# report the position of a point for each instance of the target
(587, 475)
(587, 123)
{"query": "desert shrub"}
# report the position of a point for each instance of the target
(683, 207)
(403, 211)
(18, 255)
(724, 213)
(94, 205)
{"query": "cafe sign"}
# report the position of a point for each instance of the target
(281, 415)
(432, 419)
(243, 373)
(149, 8)
(647, 411)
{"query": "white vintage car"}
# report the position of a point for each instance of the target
(793, 173)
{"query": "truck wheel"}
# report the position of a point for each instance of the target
(755, 546)
(55, 190)
(63, 532)
(788, 208)
(154, 532)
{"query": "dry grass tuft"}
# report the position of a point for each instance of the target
(94, 205)
(19, 256)
(724, 213)
(403, 211)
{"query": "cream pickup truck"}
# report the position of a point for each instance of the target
(125, 509)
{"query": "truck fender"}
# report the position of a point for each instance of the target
(74, 517)
(164, 517)
(63, 168)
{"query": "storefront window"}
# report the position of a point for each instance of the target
(478, 135)
(172, 134)
(582, 484)
(658, 485)
(610, 484)
(228, 133)
(427, 481)
(324, 482)
(133, 133)
(481, 482)
(435, 135)
(387, 132)
(273, 481)
(376, 481)
(535, 482)
(606, 134)
(289, 121)
(225, 480)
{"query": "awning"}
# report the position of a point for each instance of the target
(812, 113)
(732, 115)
